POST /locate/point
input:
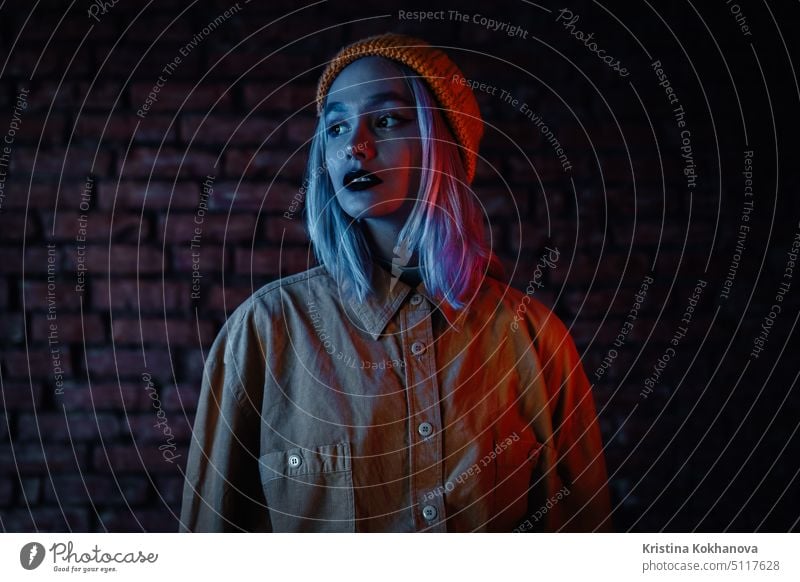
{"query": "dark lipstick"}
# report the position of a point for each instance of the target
(360, 180)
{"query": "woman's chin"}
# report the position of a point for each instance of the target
(367, 214)
(366, 207)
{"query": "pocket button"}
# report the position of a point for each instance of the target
(295, 461)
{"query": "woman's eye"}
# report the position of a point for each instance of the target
(389, 120)
(335, 129)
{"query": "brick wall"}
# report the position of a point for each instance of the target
(105, 179)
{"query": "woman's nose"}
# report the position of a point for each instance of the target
(362, 143)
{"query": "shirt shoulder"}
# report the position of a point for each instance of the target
(266, 302)
(525, 312)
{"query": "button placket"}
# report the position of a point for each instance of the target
(424, 417)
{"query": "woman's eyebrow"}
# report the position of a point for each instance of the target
(387, 96)
(374, 99)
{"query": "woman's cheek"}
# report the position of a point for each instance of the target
(334, 165)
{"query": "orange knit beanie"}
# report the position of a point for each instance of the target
(443, 77)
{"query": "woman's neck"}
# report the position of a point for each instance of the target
(383, 239)
(412, 276)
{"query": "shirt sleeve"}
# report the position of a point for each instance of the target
(580, 469)
(222, 490)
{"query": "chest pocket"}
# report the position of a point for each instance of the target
(309, 489)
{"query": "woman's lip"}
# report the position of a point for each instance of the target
(365, 185)
(360, 180)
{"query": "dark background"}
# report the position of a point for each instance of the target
(713, 448)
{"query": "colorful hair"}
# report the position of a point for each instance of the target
(445, 226)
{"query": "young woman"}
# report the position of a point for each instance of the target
(398, 386)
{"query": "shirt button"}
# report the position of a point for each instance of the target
(416, 299)
(295, 461)
(417, 348)
(425, 429)
(429, 512)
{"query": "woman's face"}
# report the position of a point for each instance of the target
(373, 149)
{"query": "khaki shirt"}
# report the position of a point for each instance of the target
(319, 412)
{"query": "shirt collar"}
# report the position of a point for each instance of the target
(381, 305)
